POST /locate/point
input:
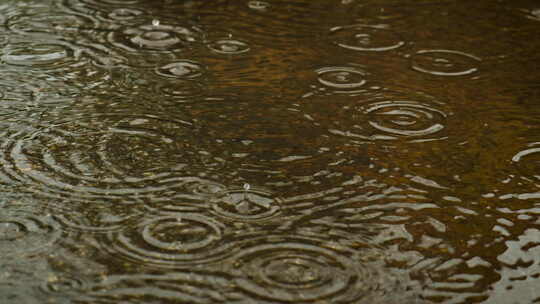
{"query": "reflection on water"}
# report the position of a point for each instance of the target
(284, 151)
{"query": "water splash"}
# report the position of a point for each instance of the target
(248, 203)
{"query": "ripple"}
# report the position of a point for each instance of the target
(376, 13)
(99, 219)
(185, 69)
(444, 63)
(59, 58)
(99, 156)
(528, 160)
(193, 196)
(169, 287)
(258, 5)
(124, 14)
(342, 77)
(11, 293)
(533, 14)
(26, 233)
(111, 2)
(171, 241)
(51, 23)
(527, 9)
(366, 38)
(393, 116)
(63, 285)
(245, 135)
(180, 91)
(246, 205)
(121, 16)
(204, 188)
(25, 94)
(273, 23)
(305, 269)
(38, 55)
(229, 46)
(405, 118)
(154, 37)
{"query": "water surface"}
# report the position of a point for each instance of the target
(269, 151)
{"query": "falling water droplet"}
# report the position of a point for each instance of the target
(155, 22)
(246, 189)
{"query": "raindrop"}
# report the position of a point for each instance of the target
(366, 38)
(444, 63)
(246, 189)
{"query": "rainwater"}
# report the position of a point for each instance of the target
(279, 151)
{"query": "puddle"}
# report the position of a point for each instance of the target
(285, 151)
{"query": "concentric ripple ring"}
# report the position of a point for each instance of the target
(229, 46)
(305, 269)
(366, 38)
(341, 77)
(171, 241)
(122, 155)
(444, 63)
(26, 233)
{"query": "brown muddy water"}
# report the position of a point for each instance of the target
(274, 151)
